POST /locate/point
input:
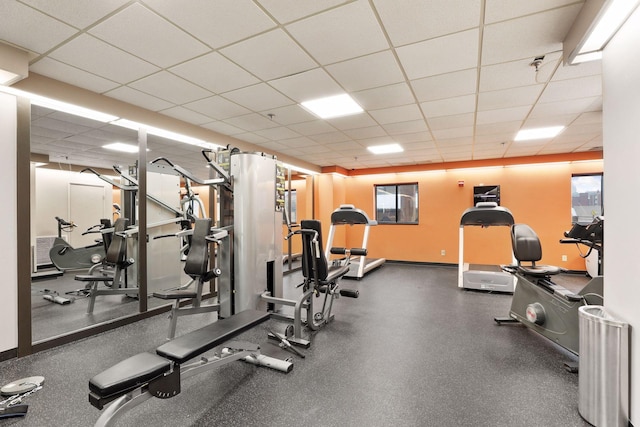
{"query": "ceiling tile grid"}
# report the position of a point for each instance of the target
(454, 76)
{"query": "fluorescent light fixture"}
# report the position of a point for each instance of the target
(586, 57)
(14, 64)
(120, 146)
(538, 133)
(385, 149)
(299, 169)
(597, 22)
(333, 106)
(71, 109)
(165, 134)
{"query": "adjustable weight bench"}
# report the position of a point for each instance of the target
(197, 268)
(143, 376)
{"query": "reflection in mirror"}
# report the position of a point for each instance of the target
(295, 210)
(70, 208)
(174, 201)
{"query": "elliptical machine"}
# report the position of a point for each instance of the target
(66, 257)
(540, 304)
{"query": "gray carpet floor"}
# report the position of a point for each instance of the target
(413, 350)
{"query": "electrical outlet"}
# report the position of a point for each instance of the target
(443, 252)
(564, 258)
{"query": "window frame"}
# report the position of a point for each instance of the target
(397, 209)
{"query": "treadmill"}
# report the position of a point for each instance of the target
(350, 215)
(483, 277)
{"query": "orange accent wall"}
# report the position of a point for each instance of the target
(537, 194)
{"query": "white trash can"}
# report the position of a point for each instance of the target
(603, 382)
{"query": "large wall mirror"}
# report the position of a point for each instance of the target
(71, 205)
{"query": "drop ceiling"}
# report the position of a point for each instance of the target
(449, 80)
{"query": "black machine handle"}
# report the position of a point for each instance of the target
(349, 293)
(65, 223)
(352, 251)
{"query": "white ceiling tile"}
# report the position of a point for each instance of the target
(345, 146)
(527, 37)
(583, 69)
(458, 132)
(252, 138)
(270, 55)
(384, 97)
(448, 122)
(406, 127)
(517, 73)
(582, 129)
(260, 97)
(330, 137)
(217, 107)
(170, 87)
(589, 117)
(368, 132)
(563, 107)
(42, 32)
(500, 10)
(556, 120)
(290, 10)
(63, 72)
(277, 133)
(441, 55)
(581, 87)
(291, 114)
(251, 122)
(141, 99)
(403, 113)
(307, 85)
(217, 23)
(507, 98)
(301, 141)
(342, 33)
(353, 121)
(186, 115)
(502, 115)
(79, 13)
(378, 69)
(215, 73)
(314, 127)
(146, 35)
(418, 20)
(88, 53)
(223, 128)
(449, 106)
(314, 149)
(499, 128)
(447, 85)
(417, 137)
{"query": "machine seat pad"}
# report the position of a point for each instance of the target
(190, 345)
(176, 294)
(336, 272)
(540, 270)
(94, 277)
(129, 374)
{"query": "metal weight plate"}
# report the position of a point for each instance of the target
(21, 386)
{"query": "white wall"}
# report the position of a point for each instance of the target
(52, 199)
(9, 241)
(621, 127)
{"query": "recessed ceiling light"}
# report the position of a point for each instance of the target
(120, 146)
(538, 133)
(385, 149)
(333, 106)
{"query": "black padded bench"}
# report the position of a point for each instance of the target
(147, 375)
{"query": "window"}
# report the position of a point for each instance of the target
(586, 198)
(397, 203)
